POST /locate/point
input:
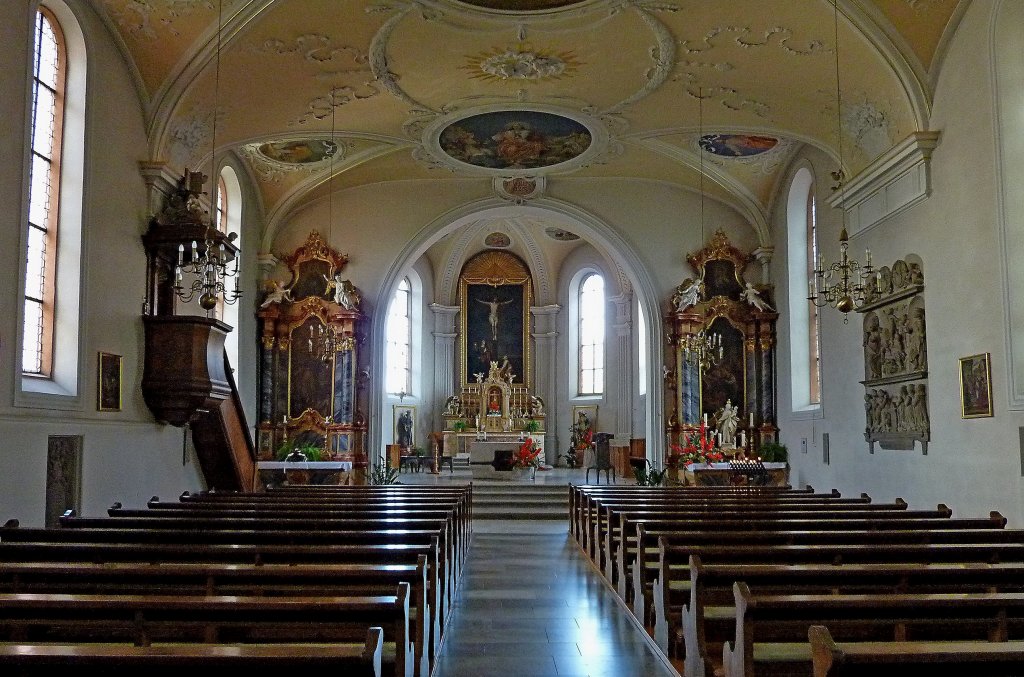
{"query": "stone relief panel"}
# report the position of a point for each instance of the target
(896, 358)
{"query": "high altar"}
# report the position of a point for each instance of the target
(494, 410)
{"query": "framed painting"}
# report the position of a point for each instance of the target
(976, 386)
(585, 414)
(108, 382)
(405, 426)
(494, 300)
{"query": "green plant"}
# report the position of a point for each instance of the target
(773, 452)
(382, 473)
(649, 477)
(419, 451)
(459, 426)
(309, 450)
(570, 457)
(531, 426)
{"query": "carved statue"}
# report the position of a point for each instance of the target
(345, 293)
(453, 406)
(753, 296)
(276, 294)
(872, 347)
(687, 294)
(727, 420)
(492, 316)
(536, 405)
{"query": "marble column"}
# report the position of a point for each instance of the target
(619, 372)
(446, 364)
(545, 344)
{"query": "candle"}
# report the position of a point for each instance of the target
(878, 281)
(705, 419)
(743, 439)
(181, 253)
(751, 419)
(867, 256)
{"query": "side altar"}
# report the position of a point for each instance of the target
(490, 419)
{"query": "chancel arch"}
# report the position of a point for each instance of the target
(544, 317)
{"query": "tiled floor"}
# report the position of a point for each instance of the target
(531, 606)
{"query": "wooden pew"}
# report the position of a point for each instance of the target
(253, 660)
(771, 630)
(149, 619)
(708, 620)
(635, 577)
(896, 659)
(237, 579)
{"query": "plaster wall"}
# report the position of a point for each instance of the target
(127, 456)
(972, 465)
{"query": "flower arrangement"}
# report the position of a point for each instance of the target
(699, 448)
(527, 456)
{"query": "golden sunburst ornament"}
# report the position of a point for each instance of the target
(521, 62)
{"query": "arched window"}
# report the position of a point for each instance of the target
(590, 324)
(49, 68)
(52, 246)
(398, 356)
(804, 321)
(229, 220)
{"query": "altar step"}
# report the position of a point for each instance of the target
(520, 501)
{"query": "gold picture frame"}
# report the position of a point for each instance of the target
(108, 382)
(976, 386)
(588, 410)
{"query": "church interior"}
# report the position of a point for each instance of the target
(378, 230)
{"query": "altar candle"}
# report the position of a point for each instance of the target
(705, 419)
(810, 288)
(867, 256)
(751, 419)
(743, 439)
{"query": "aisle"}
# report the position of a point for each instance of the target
(568, 624)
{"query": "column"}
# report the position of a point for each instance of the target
(545, 339)
(265, 264)
(764, 257)
(619, 378)
(446, 366)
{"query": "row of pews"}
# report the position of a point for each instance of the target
(356, 579)
(779, 581)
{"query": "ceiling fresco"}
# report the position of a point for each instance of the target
(603, 88)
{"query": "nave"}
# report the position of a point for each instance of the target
(531, 605)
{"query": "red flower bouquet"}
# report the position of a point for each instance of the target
(527, 456)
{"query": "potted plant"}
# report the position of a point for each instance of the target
(772, 451)
(383, 473)
(531, 426)
(459, 426)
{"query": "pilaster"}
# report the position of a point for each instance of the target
(545, 342)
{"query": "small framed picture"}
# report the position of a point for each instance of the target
(585, 415)
(405, 426)
(108, 383)
(976, 386)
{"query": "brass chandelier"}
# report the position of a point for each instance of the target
(845, 284)
(703, 349)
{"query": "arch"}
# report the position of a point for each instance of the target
(587, 225)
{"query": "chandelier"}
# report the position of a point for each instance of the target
(210, 268)
(703, 349)
(845, 284)
(325, 342)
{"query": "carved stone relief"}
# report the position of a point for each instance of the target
(896, 359)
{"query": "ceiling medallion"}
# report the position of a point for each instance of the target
(737, 145)
(520, 63)
(522, 5)
(522, 139)
(498, 241)
(561, 235)
(299, 152)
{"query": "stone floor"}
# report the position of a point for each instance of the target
(531, 605)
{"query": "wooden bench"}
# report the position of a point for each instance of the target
(772, 630)
(237, 579)
(896, 659)
(708, 620)
(148, 619)
(169, 660)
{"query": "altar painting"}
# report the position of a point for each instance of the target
(494, 329)
(725, 380)
(310, 380)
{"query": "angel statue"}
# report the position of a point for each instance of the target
(276, 294)
(687, 294)
(345, 293)
(753, 296)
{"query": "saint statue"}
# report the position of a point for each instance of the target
(345, 293)
(404, 430)
(727, 420)
(753, 296)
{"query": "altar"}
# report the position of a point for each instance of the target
(731, 474)
(489, 458)
(281, 473)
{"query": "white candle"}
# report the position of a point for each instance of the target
(181, 253)
(751, 419)
(743, 439)
(867, 256)
(810, 288)
(705, 419)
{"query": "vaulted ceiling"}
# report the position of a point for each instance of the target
(442, 89)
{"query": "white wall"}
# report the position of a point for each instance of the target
(972, 465)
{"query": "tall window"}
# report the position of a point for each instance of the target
(591, 335)
(399, 340)
(49, 68)
(814, 319)
(804, 322)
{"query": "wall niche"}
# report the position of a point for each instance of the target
(896, 358)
